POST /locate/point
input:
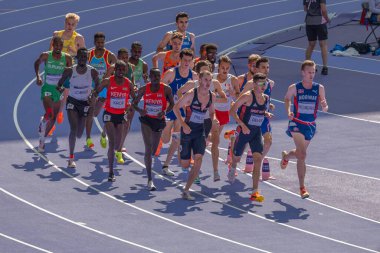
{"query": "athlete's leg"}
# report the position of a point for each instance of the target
(167, 132)
(126, 128)
(194, 171)
(174, 145)
(300, 153)
(324, 51)
(215, 139)
(257, 160)
(151, 140)
(309, 49)
(111, 132)
(267, 143)
(73, 118)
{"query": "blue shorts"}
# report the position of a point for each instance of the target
(170, 116)
(254, 138)
(265, 126)
(195, 141)
(307, 130)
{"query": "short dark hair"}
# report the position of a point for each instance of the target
(82, 49)
(224, 58)
(262, 59)
(99, 35)
(186, 51)
(57, 38)
(136, 44)
(120, 63)
(259, 76)
(181, 15)
(122, 50)
(201, 64)
(211, 46)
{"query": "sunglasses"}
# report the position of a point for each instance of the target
(262, 84)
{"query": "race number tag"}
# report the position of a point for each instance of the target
(197, 117)
(117, 103)
(47, 93)
(153, 110)
(70, 106)
(106, 117)
(306, 107)
(256, 120)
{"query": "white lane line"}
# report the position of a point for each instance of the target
(60, 16)
(36, 6)
(24, 243)
(80, 224)
(308, 199)
(254, 214)
(15, 119)
(349, 56)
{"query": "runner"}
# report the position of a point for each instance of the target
(71, 42)
(202, 53)
(176, 78)
(221, 98)
(188, 39)
(81, 77)
(198, 102)
(253, 110)
(101, 59)
(152, 117)
(243, 79)
(171, 58)
(211, 52)
(306, 96)
(55, 62)
(116, 108)
(141, 67)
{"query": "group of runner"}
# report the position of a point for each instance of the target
(187, 104)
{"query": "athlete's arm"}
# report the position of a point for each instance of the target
(168, 76)
(218, 88)
(324, 12)
(322, 98)
(145, 72)
(184, 101)
(212, 110)
(185, 88)
(169, 98)
(159, 56)
(65, 75)
(235, 86)
(42, 58)
(243, 99)
(271, 83)
(80, 41)
(248, 86)
(104, 84)
(288, 97)
(69, 60)
(192, 38)
(111, 58)
(161, 46)
(109, 71)
(240, 80)
(137, 99)
(95, 78)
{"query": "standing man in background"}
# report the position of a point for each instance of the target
(316, 28)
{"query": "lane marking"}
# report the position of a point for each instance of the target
(295, 194)
(15, 119)
(36, 6)
(24, 243)
(80, 224)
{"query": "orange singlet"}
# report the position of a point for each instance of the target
(168, 62)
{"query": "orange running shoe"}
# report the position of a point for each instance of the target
(304, 193)
(60, 118)
(51, 131)
(256, 196)
(158, 150)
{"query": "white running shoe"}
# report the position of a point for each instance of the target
(187, 196)
(41, 145)
(167, 172)
(42, 127)
(151, 186)
(231, 175)
(72, 164)
(216, 176)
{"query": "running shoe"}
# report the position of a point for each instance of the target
(41, 146)
(60, 118)
(51, 130)
(256, 196)
(304, 193)
(151, 186)
(325, 71)
(42, 127)
(284, 162)
(123, 150)
(103, 141)
(216, 176)
(197, 180)
(187, 196)
(111, 177)
(89, 143)
(231, 175)
(158, 150)
(166, 171)
(71, 164)
(119, 157)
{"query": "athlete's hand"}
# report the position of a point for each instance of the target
(142, 112)
(60, 89)
(325, 108)
(160, 115)
(186, 129)
(245, 129)
(272, 106)
(269, 115)
(290, 116)
(216, 123)
(39, 80)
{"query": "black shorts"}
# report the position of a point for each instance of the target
(195, 141)
(207, 126)
(254, 138)
(80, 106)
(315, 32)
(157, 125)
(114, 118)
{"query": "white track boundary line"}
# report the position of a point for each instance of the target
(60, 16)
(73, 222)
(253, 214)
(36, 6)
(24, 243)
(15, 119)
(308, 199)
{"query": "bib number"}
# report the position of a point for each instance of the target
(256, 120)
(153, 110)
(306, 107)
(117, 103)
(197, 117)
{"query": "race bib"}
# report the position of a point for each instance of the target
(70, 106)
(153, 110)
(101, 72)
(86, 108)
(197, 117)
(106, 117)
(52, 79)
(256, 120)
(117, 103)
(47, 93)
(306, 107)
